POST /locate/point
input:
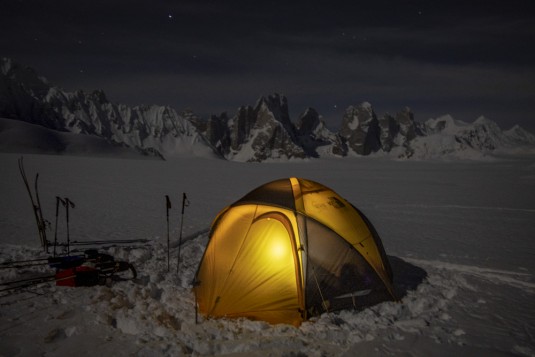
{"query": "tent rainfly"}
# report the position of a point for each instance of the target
(289, 250)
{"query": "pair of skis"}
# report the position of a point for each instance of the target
(42, 224)
(185, 203)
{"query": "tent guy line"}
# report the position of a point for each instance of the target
(422, 205)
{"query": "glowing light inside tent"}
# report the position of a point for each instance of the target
(278, 242)
(278, 249)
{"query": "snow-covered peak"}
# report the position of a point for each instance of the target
(520, 136)
(482, 120)
(449, 137)
(366, 105)
(445, 124)
(148, 129)
(255, 133)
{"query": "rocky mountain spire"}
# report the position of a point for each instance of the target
(360, 129)
(316, 138)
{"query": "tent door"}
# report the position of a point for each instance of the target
(263, 280)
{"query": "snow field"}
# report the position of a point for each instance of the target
(462, 259)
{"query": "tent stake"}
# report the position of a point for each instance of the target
(168, 207)
(196, 310)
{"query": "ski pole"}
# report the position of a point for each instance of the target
(42, 221)
(185, 203)
(58, 200)
(168, 207)
(56, 225)
(68, 203)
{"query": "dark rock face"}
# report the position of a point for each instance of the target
(389, 129)
(360, 129)
(218, 134)
(316, 139)
(409, 128)
(399, 131)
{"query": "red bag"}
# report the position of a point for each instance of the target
(78, 276)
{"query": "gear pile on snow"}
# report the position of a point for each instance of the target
(91, 268)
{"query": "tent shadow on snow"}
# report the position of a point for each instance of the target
(407, 276)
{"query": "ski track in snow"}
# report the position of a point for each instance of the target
(511, 209)
(512, 278)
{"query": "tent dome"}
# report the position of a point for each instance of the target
(288, 250)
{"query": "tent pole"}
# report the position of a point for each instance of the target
(323, 302)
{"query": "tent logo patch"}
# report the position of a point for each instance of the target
(336, 203)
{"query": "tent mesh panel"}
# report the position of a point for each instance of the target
(378, 243)
(338, 277)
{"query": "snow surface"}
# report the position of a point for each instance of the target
(20, 137)
(460, 237)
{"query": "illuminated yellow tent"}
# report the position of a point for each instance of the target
(289, 250)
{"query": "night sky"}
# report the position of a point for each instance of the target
(464, 58)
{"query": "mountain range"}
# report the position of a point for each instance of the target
(256, 133)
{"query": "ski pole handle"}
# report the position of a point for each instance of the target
(185, 201)
(167, 204)
(69, 202)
